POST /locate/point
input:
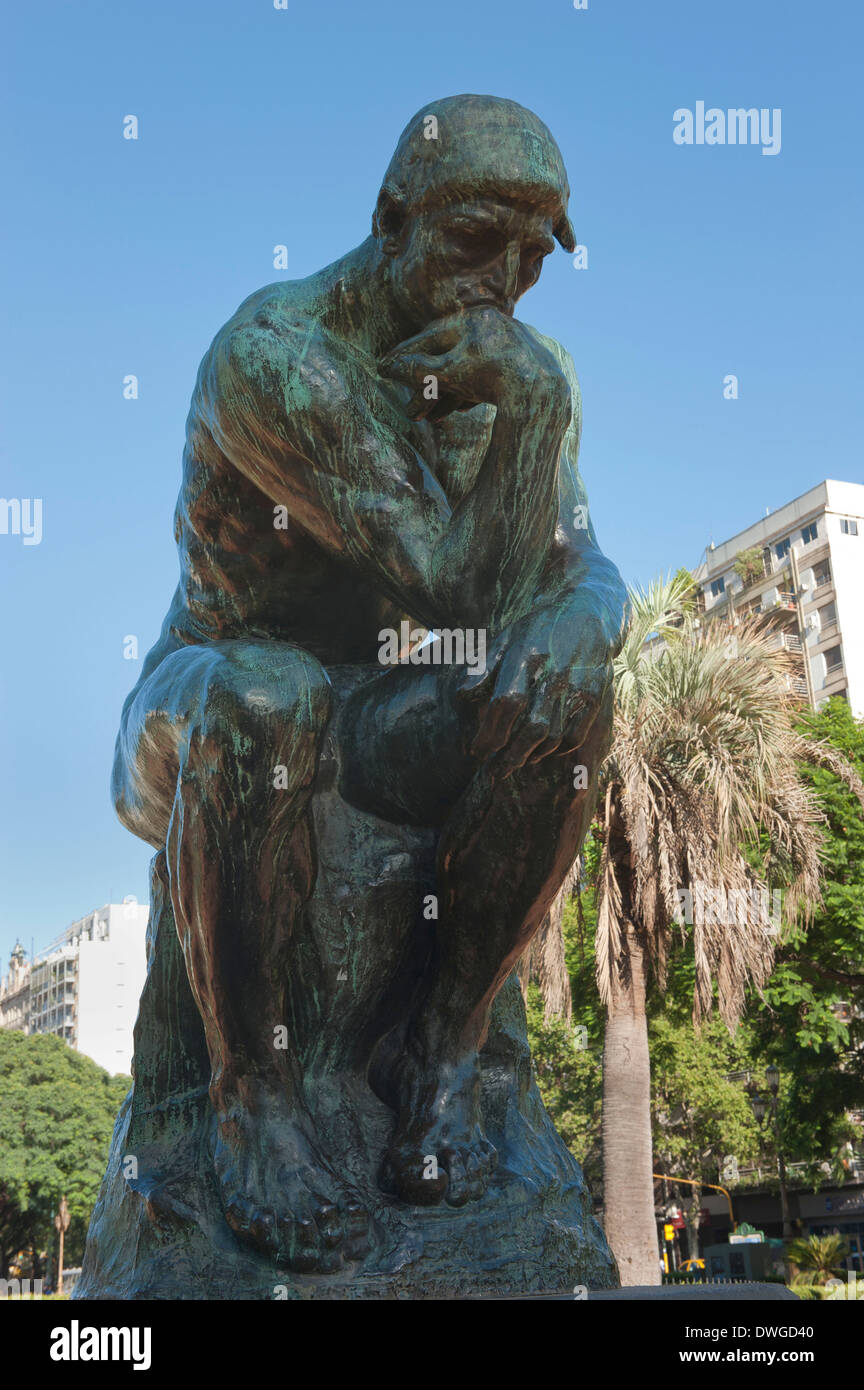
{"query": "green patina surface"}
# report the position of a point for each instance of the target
(383, 440)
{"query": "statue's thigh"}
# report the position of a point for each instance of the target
(217, 691)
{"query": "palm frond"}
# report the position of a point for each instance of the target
(704, 761)
(820, 754)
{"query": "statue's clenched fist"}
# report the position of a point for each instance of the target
(480, 355)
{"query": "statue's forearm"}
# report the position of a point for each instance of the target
(369, 495)
(490, 557)
(585, 579)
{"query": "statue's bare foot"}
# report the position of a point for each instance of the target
(277, 1193)
(439, 1149)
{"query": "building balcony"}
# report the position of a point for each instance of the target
(835, 676)
(754, 577)
(796, 686)
(785, 641)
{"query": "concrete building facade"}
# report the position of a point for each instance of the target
(15, 992)
(85, 987)
(804, 569)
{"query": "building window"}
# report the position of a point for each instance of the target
(821, 574)
(782, 548)
(848, 526)
(827, 615)
(809, 533)
(833, 659)
(718, 586)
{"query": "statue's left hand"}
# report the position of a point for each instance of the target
(547, 676)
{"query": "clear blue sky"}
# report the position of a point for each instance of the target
(260, 127)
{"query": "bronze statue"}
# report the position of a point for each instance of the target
(355, 854)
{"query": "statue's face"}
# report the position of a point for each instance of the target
(460, 253)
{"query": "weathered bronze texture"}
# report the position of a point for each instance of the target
(333, 1092)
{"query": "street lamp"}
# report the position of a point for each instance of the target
(760, 1109)
(61, 1224)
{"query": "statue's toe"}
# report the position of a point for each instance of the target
(414, 1177)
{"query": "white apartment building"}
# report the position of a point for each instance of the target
(15, 992)
(85, 987)
(804, 566)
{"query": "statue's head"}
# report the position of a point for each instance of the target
(473, 200)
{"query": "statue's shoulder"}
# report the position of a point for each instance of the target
(565, 362)
(279, 304)
(276, 312)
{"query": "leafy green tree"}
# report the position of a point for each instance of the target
(748, 565)
(689, 588)
(569, 1073)
(699, 1115)
(810, 1021)
(57, 1112)
(567, 1048)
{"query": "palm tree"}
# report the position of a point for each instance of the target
(544, 961)
(704, 762)
(819, 1258)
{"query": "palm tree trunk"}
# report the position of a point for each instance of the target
(628, 1186)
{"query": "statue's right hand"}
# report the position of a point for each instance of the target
(478, 355)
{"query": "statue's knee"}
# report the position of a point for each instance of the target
(266, 691)
(307, 692)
